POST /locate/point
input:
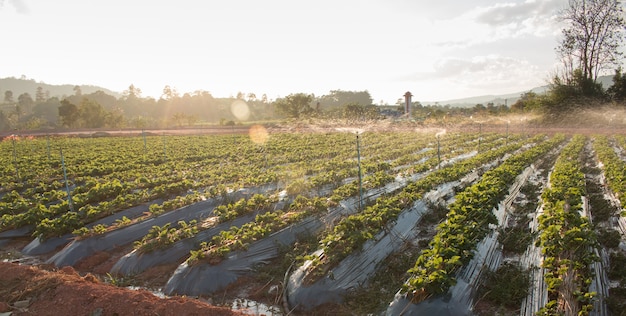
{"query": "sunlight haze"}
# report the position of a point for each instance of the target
(437, 50)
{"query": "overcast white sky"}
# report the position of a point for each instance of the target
(438, 50)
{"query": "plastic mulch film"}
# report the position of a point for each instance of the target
(79, 249)
(39, 247)
(357, 268)
(6, 236)
(137, 261)
(204, 278)
(487, 257)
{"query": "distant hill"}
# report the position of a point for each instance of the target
(509, 99)
(20, 86)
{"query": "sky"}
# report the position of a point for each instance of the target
(437, 50)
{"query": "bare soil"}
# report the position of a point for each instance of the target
(40, 290)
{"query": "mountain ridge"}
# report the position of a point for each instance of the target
(20, 86)
(507, 99)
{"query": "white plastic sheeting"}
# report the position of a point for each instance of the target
(531, 260)
(204, 278)
(357, 268)
(39, 247)
(79, 249)
(488, 256)
(136, 262)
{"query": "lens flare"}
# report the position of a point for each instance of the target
(240, 110)
(258, 134)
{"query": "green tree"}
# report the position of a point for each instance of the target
(5, 122)
(92, 114)
(25, 104)
(356, 111)
(591, 38)
(178, 118)
(339, 98)
(169, 93)
(132, 93)
(48, 110)
(528, 102)
(8, 96)
(40, 96)
(115, 118)
(617, 92)
(68, 114)
(294, 105)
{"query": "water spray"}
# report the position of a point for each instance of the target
(67, 187)
(358, 155)
(439, 135)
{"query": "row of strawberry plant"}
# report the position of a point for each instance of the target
(467, 224)
(38, 214)
(353, 231)
(614, 167)
(161, 237)
(567, 237)
(236, 238)
(454, 146)
(155, 209)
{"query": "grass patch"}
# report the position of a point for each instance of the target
(505, 287)
(374, 297)
(515, 239)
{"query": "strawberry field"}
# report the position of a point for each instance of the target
(350, 221)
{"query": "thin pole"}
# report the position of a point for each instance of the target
(145, 147)
(358, 154)
(438, 154)
(48, 143)
(507, 134)
(17, 170)
(67, 187)
(164, 148)
(480, 134)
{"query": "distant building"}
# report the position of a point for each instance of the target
(407, 103)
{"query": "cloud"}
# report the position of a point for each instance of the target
(19, 5)
(528, 17)
(483, 72)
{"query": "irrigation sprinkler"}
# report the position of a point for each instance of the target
(67, 187)
(358, 154)
(358, 157)
(17, 169)
(480, 134)
(164, 148)
(506, 142)
(48, 144)
(438, 154)
(145, 146)
(439, 135)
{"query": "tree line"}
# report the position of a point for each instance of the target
(132, 110)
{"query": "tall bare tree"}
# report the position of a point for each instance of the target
(593, 33)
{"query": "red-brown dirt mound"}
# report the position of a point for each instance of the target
(28, 290)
